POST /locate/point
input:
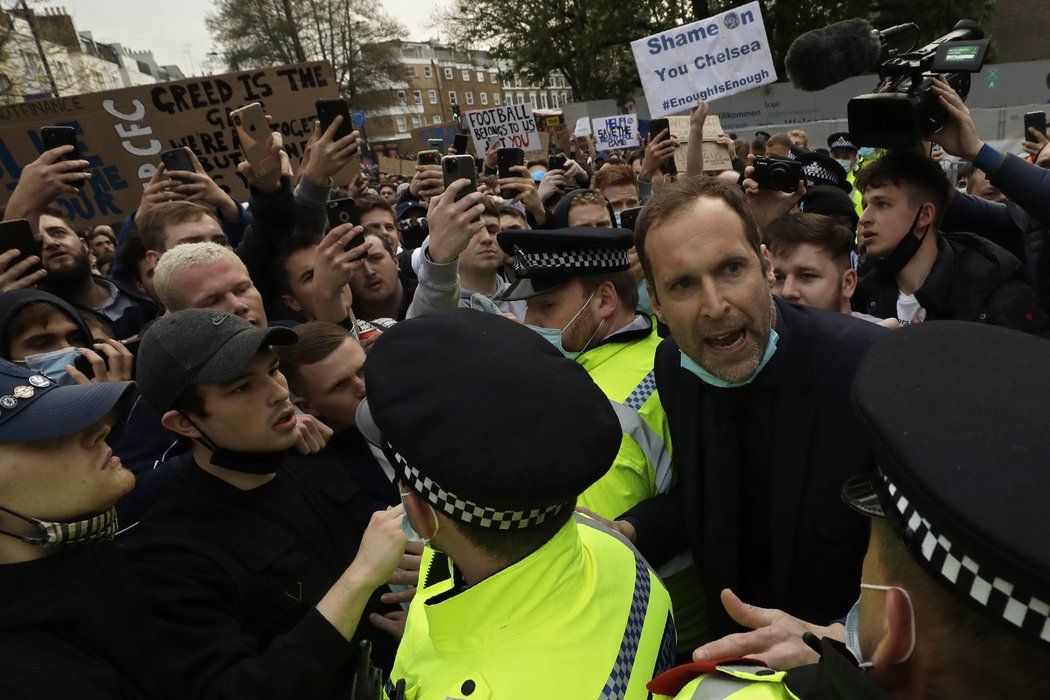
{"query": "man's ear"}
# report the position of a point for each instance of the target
(608, 299)
(291, 302)
(654, 302)
(152, 257)
(305, 406)
(178, 423)
(421, 515)
(767, 264)
(926, 215)
(898, 633)
(849, 283)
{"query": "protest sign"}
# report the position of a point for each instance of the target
(715, 57)
(562, 138)
(512, 126)
(123, 132)
(620, 131)
(583, 127)
(716, 156)
(541, 152)
(396, 166)
(446, 131)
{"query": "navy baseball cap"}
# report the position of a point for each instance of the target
(34, 408)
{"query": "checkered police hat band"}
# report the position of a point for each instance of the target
(593, 259)
(462, 509)
(997, 595)
(815, 171)
(843, 143)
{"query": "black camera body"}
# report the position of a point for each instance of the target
(903, 109)
(777, 173)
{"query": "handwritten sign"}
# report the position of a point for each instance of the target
(512, 126)
(715, 57)
(716, 156)
(121, 133)
(619, 131)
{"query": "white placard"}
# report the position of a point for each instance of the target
(512, 126)
(715, 57)
(619, 131)
(583, 127)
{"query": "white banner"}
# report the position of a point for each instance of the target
(583, 127)
(715, 57)
(620, 131)
(512, 126)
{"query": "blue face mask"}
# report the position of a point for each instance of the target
(53, 365)
(853, 627)
(705, 376)
(554, 335)
(846, 165)
(866, 152)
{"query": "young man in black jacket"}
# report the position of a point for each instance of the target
(922, 274)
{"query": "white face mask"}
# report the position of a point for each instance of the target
(406, 527)
(853, 627)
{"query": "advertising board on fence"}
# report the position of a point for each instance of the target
(513, 126)
(123, 132)
(715, 57)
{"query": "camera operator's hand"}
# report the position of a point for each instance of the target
(768, 205)
(269, 183)
(197, 186)
(43, 181)
(334, 266)
(427, 182)
(524, 190)
(959, 136)
(329, 155)
(15, 277)
(553, 183)
(452, 224)
(656, 153)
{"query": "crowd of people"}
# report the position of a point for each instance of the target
(593, 428)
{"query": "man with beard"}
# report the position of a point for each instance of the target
(68, 265)
(756, 394)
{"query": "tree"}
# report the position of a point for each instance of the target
(253, 33)
(589, 40)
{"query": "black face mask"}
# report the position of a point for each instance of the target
(905, 250)
(245, 462)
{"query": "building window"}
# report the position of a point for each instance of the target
(564, 99)
(509, 98)
(466, 75)
(452, 97)
(470, 98)
(417, 121)
(417, 97)
(532, 99)
(402, 125)
(401, 97)
(521, 98)
(436, 119)
(428, 72)
(495, 98)
(554, 100)
(412, 71)
(432, 96)
(543, 100)
(481, 76)
(484, 98)
(448, 74)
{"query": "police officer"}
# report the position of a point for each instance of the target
(955, 589)
(517, 597)
(843, 150)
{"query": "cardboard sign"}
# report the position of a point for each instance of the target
(512, 126)
(716, 157)
(619, 131)
(562, 138)
(396, 166)
(446, 131)
(542, 151)
(123, 132)
(715, 57)
(583, 127)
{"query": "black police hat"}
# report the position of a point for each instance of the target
(956, 415)
(828, 200)
(841, 140)
(819, 169)
(198, 346)
(485, 419)
(545, 260)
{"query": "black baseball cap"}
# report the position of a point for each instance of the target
(955, 413)
(34, 408)
(198, 346)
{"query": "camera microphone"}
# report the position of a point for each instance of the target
(822, 57)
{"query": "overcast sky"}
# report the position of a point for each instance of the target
(175, 31)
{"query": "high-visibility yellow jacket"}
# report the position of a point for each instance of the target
(739, 681)
(582, 617)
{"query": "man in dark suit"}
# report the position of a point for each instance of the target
(756, 392)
